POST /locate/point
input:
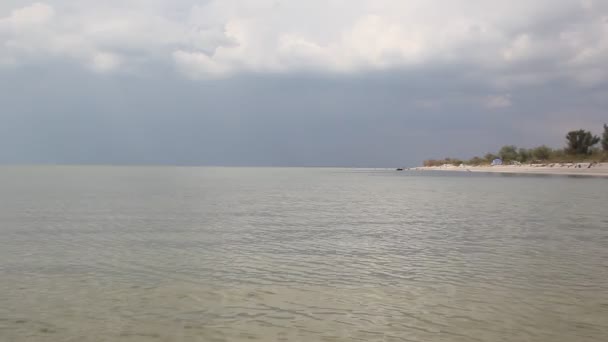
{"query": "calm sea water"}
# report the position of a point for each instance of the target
(231, 254)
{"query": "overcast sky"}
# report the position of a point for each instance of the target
(302, 83)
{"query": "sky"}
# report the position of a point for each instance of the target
(357, 83)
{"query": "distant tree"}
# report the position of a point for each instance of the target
(579, 142)
(541, 153)
(605, 138)
(523, 155)
(508, 153)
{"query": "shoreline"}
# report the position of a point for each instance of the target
(557, 169)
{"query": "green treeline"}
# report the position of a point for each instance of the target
(580, 147)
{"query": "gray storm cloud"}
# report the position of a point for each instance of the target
(362, 83)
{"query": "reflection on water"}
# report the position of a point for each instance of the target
(220, 254)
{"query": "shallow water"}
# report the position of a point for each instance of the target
(228, 254)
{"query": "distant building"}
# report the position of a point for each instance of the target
(496, 161)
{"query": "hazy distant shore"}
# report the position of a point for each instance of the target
(566, 169)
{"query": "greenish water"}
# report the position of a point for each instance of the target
(231, 254)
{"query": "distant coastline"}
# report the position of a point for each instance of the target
(564, 169)
(579, 157)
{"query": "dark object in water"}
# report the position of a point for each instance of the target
(400, 169)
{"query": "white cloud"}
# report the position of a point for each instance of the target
(520, 42)
(104, 62)
(197, 64)
(32, 15)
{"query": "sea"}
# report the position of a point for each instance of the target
(141, 253)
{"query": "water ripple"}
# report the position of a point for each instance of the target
(220, 254)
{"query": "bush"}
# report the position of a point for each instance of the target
(489, 157)
(508, 153)
(523, 155)
(476, 161)
(541, 153)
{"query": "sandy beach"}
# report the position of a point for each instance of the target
(565, 169)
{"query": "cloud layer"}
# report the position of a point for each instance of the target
(519, 41)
